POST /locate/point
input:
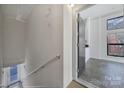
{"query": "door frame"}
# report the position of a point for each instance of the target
(75, 12)
(79, 19)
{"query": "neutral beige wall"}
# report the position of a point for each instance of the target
(13, 41)
(1, 65)
(44, 34)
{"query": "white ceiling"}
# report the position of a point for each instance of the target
(18, 11)
(100, 10)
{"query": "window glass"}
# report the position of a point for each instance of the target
(13, 73)
(116, 50)
(115, 38)
(115, 23)
(115, 44)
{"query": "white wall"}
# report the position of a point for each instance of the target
(87, 38)
(98, 41)
(67, 46)
(103, 53)
(94, 38)
(45, 41)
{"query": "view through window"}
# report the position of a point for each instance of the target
(115, 44)
(115, 41)
(13, 73)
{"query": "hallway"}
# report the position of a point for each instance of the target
(104, 73)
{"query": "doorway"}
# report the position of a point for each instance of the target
(95, 67)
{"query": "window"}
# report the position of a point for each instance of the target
(115, 44)
(115, 23)
(13, 73)
(115, 41)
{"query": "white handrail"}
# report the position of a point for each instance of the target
(42, 66)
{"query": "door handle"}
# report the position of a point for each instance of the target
(86, 46)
